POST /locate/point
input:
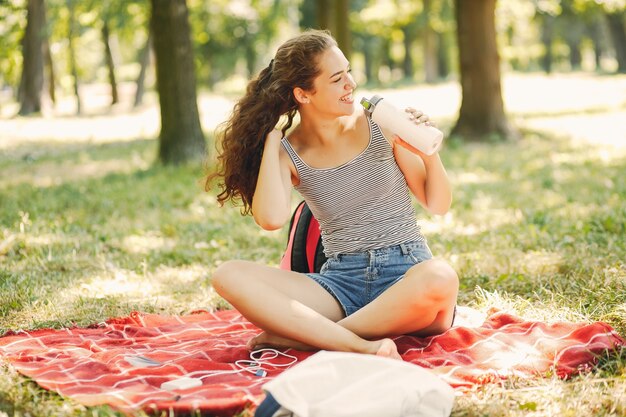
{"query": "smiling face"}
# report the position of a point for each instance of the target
(332, 89)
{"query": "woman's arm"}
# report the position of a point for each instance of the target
(271, 204)
(425, 175)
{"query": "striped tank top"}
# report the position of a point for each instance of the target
(360, 205)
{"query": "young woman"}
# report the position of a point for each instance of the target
(380, 280)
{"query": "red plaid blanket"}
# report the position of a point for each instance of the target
(98, 365)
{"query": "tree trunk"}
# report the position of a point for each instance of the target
(430, 46)
(369, 56)
(445, 42)
(547, 34)
(386, 58)
(72, 54)
(573, 37)
(575, 56)
(443, 60)
(144, 61)
(407, 64)
(324, 13)
(49, 66)
(618, 35)
(181, 138)
(109, 60)
(431, 71)
(31, 85)
(334, 16)
(250, 55)
(595, 34)
(482, 108)
(342, 26)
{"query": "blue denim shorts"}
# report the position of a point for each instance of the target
(355, 279)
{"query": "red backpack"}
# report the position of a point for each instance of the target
(304, 252)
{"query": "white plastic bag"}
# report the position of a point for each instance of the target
(341, 384)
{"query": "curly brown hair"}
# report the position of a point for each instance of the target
(268, 97)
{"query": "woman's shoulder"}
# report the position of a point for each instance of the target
(294, 138)
(387, 134)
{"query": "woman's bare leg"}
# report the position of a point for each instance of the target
(422, 303)
(387, 347)
(292, 307)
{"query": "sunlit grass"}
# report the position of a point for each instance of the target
(94, 229)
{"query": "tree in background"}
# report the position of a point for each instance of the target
(105, 30)
(181, 138)
(379, 28)
(445, 29)
(144, 61)
(404, 39)
(615, 18)
(13, 23)
(71, 30)
(334, 15)
(394, 40)
(546, 21)
(239, 32)
(31, 85)
(569, 26)
(412, 21)
(49, 69)
(482, 108)
(429, 39)
(613, 13)
(342, 26)
(573, 34)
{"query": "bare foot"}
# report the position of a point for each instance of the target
(384, 347)
(269, 340)
(388, 349)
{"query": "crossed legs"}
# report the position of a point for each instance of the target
(295, 311)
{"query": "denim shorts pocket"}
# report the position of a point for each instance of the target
(329, 262)
(418, 252)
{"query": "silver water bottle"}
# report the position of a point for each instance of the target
(426, 138)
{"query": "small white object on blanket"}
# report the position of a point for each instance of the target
(139, 361)
(181, 383)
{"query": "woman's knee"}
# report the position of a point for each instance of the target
(447, 276)
(227, 275)
(440, 279)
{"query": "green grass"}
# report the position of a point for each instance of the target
(88, 232)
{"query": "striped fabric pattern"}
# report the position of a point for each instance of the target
(360, 205)
(91, 365)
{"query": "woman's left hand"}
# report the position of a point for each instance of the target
(419, 116)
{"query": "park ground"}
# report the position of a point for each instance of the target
(91, 227)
